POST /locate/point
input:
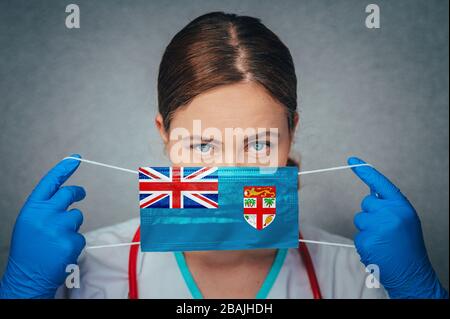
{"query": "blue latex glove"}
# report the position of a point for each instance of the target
(45, 238)
(390, 236)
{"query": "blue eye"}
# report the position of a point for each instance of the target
(204, 147)
(258, 146)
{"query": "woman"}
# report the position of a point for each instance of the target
(227, 71)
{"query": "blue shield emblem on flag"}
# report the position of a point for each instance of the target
(259, 205)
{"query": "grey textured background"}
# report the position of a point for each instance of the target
(379, 94)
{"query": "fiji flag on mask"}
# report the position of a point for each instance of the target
(218, 208)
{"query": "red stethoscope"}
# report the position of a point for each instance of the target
(134, 250)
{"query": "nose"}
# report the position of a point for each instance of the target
(236, 164)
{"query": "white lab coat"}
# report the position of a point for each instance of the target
(104, 272)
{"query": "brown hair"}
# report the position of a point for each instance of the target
(221, 48)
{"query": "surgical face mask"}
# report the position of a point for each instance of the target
(218, 208)
(234, 208)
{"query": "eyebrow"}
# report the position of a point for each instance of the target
(268, 134)
(198, 137)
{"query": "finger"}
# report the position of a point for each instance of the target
(50, 183)
(363, 220)
(76, 218)
(370, 203)
(375, 194)
(66, 196)
(360, 241)
(70, 220)
(376, 181)
(79, 242)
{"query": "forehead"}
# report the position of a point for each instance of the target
(241, 105)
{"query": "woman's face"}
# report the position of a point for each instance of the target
(235, 125)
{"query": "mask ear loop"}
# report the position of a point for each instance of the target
(300, 240)
(333, 169)
(299, 173)
(102, 164)
(136, 172)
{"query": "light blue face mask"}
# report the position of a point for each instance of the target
(221, 208)
(218, 208)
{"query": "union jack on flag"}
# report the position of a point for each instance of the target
(178, 187)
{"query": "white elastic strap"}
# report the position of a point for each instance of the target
(300, 173)
(300, 240)
(102, 164)
(333, 168)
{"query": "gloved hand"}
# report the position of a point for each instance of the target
(45, 238)
(391, 237)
